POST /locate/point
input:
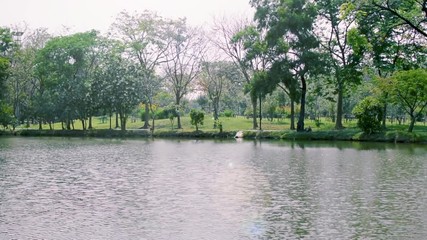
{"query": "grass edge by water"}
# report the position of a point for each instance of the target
(350, 134)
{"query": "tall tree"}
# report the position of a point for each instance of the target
(22, 81)
(394, 44)
(260, 86)
(345, 45)
(409, 89)
(66, 65)
(257, 59)
(183, 61)
(146, 36)
(291, 21)
(215, 79)
(406, 13)
(117, 82)
(230, 41)
(5, 45)
(288, 83)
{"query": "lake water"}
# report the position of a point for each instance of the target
(59, 188)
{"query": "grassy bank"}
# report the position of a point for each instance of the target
(277, 129)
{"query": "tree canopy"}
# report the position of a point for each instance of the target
(295, 58)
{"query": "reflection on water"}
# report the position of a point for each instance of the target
(54, 188)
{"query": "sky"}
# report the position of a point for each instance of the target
(83, 15)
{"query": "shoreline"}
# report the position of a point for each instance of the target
(329, 135)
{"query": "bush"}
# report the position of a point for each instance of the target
(228, 113)
(6, 115)
(197, 118)
(165, 113)
(369, 113)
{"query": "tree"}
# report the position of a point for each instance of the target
(369, 113)
(231, 41)
(117, 82)
(259, 88)
(258, 59)
(394, 44)
(409, 90)
(288, 82)
(345, 45)
(291, 22)
(215, 79)
(6, 115)
(407, 13)
(197, 118)
(183, 61)
(147, 37)
(5, 45)
(65, 66)
(22, 83)
(4, 67)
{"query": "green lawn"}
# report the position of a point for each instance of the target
(234, 124)
(277, 129)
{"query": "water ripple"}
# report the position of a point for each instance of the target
(54, 188)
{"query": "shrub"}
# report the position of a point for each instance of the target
(228, 113)
(369, 113)
(197, 118)
(6, 115)
(165, 113)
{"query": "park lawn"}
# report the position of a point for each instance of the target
(234, 124)
(276, 129)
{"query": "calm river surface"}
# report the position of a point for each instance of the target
(59, 188)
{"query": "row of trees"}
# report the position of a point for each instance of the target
(312, 52)
(340, 43)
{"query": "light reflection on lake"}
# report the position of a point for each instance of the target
(58, 188)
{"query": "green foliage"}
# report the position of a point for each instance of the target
(4, 67)
(369, 113)
(409, 90)
(228, 113)
(292, 20)
(197, 118)
(165, 113)
(406, 14)
(6, 40)
(5, 45)
(6, 115)
(64, 68)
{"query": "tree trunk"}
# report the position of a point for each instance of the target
(123, 122)
(216, 108)
(83, 124)
(117, 120)
(50, 125)
(111, 115)
(90, 122)
(178, 101)
(412, 124)
(260, 114)
(384, 111)
(338, 123)
(292, 114)
(254, 110)
(146, 117)
(300, 124)
(68, 124)
(40, 124)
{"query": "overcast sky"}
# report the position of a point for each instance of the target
(82, 15)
